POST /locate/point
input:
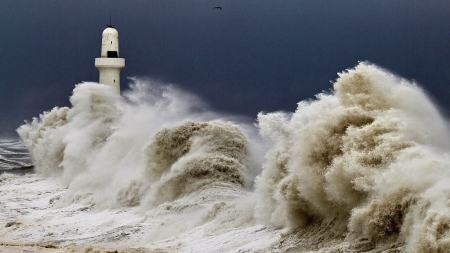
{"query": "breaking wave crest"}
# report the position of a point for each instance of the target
(366, 162)
(185, 158)
(373, 153)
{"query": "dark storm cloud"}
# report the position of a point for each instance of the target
(250, 56)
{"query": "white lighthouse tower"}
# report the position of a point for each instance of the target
(110, 65)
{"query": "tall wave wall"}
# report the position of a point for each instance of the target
(371, 154)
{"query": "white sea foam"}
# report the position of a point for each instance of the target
(363, 166)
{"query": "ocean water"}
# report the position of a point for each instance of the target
(14, 155)
(361, 168)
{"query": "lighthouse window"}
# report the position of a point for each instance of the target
(114, 80)
(111, 42)
(112, 54)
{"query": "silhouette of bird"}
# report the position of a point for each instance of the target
(217, 7)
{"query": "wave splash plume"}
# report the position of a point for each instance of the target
(102, 142)
(364, 166)
(371, 155)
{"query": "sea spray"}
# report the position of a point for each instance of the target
(372, 153)
(156, 142)
(44, 145)
(156, 148)
(65, 141)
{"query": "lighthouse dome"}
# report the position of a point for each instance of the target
(110, 31)
(110, 43)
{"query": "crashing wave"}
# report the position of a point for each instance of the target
(372, 153)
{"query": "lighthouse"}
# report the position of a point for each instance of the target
(110, 65)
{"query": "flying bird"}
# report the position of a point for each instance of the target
(217, 7)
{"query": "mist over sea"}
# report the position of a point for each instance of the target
(363, 167)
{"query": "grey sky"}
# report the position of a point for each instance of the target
(253, 55)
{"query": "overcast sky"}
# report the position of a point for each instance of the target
(251, 56)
